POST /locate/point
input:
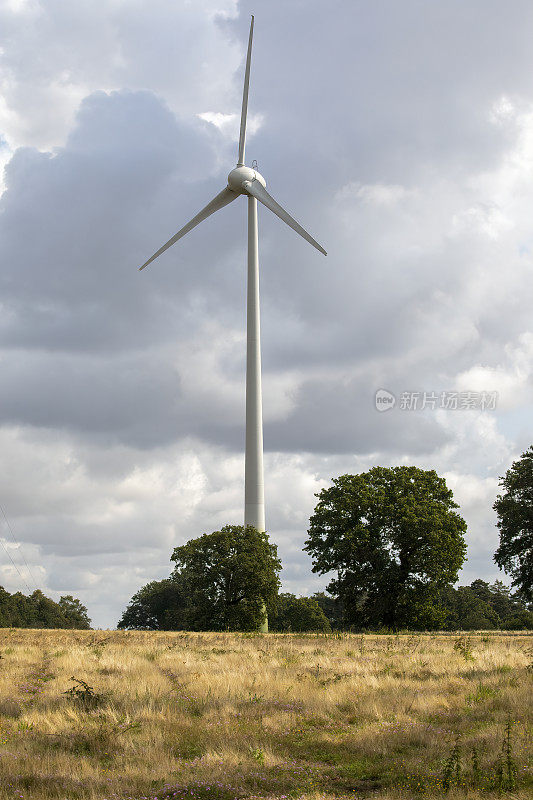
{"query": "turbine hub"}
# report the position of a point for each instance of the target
(238, 175)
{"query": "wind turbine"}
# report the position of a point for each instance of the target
(247, 181)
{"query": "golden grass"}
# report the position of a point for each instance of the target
(222, 716)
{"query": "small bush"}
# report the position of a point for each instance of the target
(451, 773)
(463, 645)
(505, 773)
(258, 754)
(84, 695)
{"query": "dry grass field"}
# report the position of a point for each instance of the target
(222, 716)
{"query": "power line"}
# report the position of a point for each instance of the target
(10, 529)
(9, 555)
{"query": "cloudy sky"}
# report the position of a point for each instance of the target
(399, 133)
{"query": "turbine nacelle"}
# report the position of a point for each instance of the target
(240, 175)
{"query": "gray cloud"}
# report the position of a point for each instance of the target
(399, 135)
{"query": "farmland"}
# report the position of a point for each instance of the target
(117, 715)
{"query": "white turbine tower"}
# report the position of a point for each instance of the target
(247, 181)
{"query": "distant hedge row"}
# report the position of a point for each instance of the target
(479, 606)
(160, 606)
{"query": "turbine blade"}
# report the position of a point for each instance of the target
(221, 200)
(258, 190)
(244, 111)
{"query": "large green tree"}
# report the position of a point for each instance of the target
(394, 539)
(228, 577)
(514, 508)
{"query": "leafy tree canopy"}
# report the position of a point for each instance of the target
(228, 577)
(333, 609)
(74, 612)
(394, 539)
(296, 614)
(481, 606)
(221, 581)
(158, 606)
(514, 508)
(37, 611)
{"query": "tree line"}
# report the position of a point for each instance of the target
(37, 611)
(392, 542)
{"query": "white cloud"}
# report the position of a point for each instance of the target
(378, 194)
(502, 111)
(512, 380)
(229, 124)
(53, 55)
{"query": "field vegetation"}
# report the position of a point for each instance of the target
(133, 714)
